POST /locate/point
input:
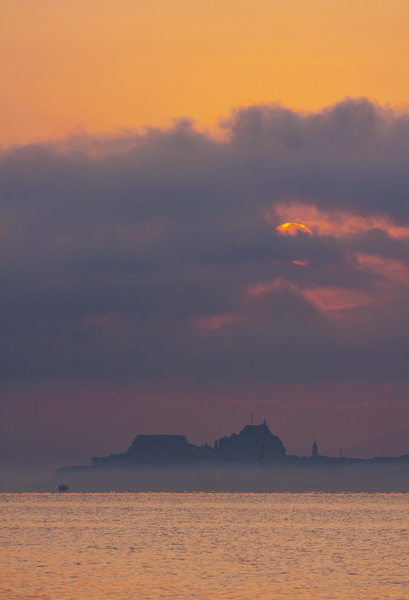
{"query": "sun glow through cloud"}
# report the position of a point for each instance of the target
(293, 229)
(336, 223)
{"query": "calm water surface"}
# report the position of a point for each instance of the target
(219, 546)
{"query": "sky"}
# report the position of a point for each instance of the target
(204, 214)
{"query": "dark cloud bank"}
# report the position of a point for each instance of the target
(135, 257)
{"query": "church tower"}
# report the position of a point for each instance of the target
(314, 450)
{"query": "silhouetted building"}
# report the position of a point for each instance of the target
(254, 442)
(314, 450)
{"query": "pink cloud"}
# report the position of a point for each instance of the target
(270, 286)
(326, 299)
(217, 321)
(391, 269)
(330, 299)
(302, 263)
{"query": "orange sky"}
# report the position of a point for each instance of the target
(100, 65)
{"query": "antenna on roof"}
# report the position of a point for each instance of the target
(251, 418)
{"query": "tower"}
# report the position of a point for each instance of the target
(314, 450)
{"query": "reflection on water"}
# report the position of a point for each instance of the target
(210, 545)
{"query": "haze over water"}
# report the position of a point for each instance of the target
(204, 545)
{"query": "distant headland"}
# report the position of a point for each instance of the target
(254, 445)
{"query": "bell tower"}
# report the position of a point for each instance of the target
(314, 450)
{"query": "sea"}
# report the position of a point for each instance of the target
(219, 546)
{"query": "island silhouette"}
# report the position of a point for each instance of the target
(254, 445)
(254, 460)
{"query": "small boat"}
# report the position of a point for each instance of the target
(63, 488)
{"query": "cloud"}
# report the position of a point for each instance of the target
(156, 255)
(212, 323)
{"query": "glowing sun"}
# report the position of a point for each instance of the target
(293, 229)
